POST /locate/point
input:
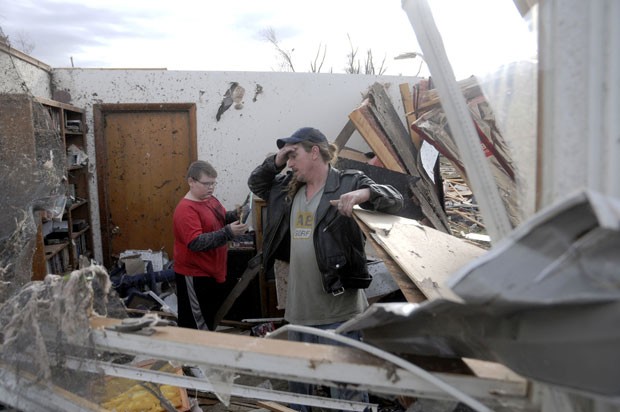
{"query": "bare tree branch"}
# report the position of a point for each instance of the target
(269, 35)
(351, 67)
(315, 67)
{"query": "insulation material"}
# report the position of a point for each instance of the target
(32, 164)
(48, 320)
(128, 395)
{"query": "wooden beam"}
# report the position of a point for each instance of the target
(254, 266)
(273, 406)
(345, 135)
(370, 130)
(469, 87)
(406, 97)
(351, 154)
(289, 360)
(382, 109)
(431, 208)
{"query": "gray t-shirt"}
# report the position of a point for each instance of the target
(307, 303)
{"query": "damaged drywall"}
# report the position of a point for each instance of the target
(41, 322)
(32, 162)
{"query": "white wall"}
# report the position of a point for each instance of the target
(22, 74)
(242, 138)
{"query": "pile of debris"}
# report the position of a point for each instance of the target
(463, 212)
(437, 195)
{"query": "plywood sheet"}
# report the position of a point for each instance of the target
(428, 256)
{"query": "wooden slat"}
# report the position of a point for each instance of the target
(410, 291)
(283, 359)
(254, 266)
(406, 97)
(428, 256)
(353, 155)
(469, 87)
(273, 406)
(429, 203)
(381, 107)
(367, 126)
(345, 135)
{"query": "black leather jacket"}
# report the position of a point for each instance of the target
(338, 240)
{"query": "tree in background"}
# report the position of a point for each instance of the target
(354, 64)
(286, 56)
(20, 42)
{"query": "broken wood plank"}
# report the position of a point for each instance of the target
(248, 275)
(381, 107)
(433, 212)
(410, 291)
(370, 130)
(428, 256)
(344, 135)
(492, 370)
(273, 406)
(351, 154)
(397, 137)
(407, 98)
(289, 360)
(469, 87)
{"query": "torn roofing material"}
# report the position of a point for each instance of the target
(545, 302)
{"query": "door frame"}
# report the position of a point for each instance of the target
(99, 112)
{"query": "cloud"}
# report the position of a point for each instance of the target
(59, 30)
(227, 35)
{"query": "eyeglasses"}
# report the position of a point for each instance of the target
(206, 184)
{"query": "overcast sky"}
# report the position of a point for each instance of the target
(228, 35)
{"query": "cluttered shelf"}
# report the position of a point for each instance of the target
(77, 203)
(52, 250)
(75, 167)
(75, 235)
(62, 240)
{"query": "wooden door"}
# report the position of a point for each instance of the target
(143, 151)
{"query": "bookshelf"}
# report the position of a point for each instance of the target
(61, 241)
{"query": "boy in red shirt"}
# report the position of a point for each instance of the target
(202, 229)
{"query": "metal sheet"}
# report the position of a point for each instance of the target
(545, 302)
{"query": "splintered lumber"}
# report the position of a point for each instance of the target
(370, 130)
(381, 128)
(407, 98)
(288, 360)
(389, 120)
(396, 133)
(430, 98)
(410, 291)
(428, 256)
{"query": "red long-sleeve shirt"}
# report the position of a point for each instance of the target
(191, 219)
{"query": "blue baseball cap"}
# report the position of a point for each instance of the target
(309, 134)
